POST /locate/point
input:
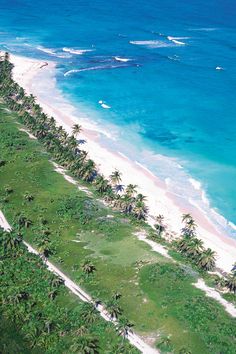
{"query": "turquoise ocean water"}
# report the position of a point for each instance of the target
(166, 69)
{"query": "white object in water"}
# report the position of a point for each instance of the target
(219, 68)
(122, 59)
(105, 106)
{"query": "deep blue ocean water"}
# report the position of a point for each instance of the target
(175, 96)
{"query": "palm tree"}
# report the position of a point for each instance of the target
(24, 221)
(119, 188)
(88, 268)
(11, 240)
(114, 309)
(115, 178)
(124, 327)
(230, 282)
(183, 244)
(88, 171)
(141, 198)
(127, 203)
(194, 247)
(8, 189)
(43, 244)
(130, 190)
(186, 217)
(207, 259)
(140, 210)
(76, 129)
(189, 229)
(116, 296)
(29, 197)
(101, 184)
(159, 224)
(89, 313)
(72, 142)
(86, 344)
(6, 56)
(233, 267)
(81, 331)
(56, 281)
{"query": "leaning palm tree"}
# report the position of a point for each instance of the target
(207, 259)
(76, 129)
(231, 282)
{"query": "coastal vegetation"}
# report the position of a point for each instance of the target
(95, 243)
(192, 247)
(36, 305)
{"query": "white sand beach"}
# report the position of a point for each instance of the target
(37, 78)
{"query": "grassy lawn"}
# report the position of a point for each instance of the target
(157, 297)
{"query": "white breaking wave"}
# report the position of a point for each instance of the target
(101, 67)
(231, 224)
(46, 50)
(206, 29)
(52, 52)
(196, 184)
(176, 38)
(77, 51)
(122, 59)
(152, 43)
(158, 43)
(178, 42)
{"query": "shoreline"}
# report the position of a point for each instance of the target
(35, 77)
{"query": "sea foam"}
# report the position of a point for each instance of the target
(122, 59)
(100, 67)
(158, 43)
(77, 51)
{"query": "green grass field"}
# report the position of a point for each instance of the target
(158, 297)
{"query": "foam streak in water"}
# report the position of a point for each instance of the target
(101, 67)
